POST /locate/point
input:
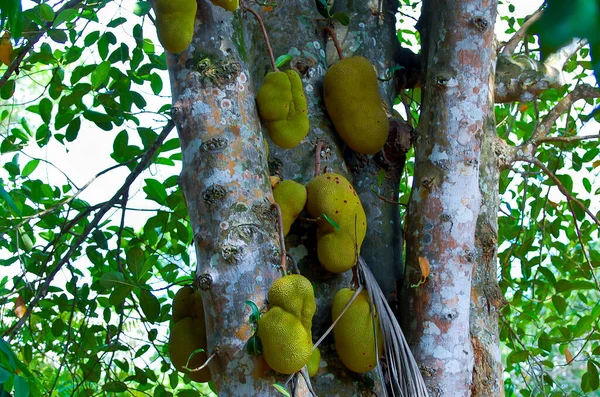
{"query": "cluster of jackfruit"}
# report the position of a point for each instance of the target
(285, 329)
(175, 21)
(354, 106)
(188, 334)
(332, 198)
(282, 106)
(354, 333)
(291, 197)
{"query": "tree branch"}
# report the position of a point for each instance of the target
(17, 61)
(511, 45)
(570, 198)
(43, 289)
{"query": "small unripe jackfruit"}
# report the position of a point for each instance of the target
(175, 23)
(229, 5)
(286, 343)
(291, 197)
(354, 106)
(188, 335)
(331, 197)
(285, 330)
(282, 106)
(353, 333)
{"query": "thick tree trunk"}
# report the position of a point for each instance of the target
(446, 201)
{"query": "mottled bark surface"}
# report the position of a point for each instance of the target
(445, 202)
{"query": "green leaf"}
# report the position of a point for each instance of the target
(254, 346)
(155, 190)
(45, 108)
(46, 12)
(343, 18)
(188, 393)
(112, 279)
(282, 60)
(100, 74)
(323, 8)
(65, 15)
(8, 89)
(592, 373)
(332, 222)
(21, 387)
(6, 197)
(281, 389)
(73, 129)
(150, 305)
(114, 387)
(255, 315)
(135, 261)
(141, 8)
(559, 303)
(119, 294)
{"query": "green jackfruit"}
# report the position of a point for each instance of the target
(188, 335)
(313, 363)
(332, 195)
(285, 330)
(353, 103)
(229, 5)
(353, 333)
(286, 343)
(291, 197)
(294, 294)
(282, 106)
(175, 23)
(183, 304)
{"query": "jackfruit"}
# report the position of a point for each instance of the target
(282, 106)
(285, 330)
(353, 333)
(313, 362)
(291, 197)
(354, 106)
(229, 5)
(286, 343)
(183, 304)
(188, 333)
(330, 197)
(175, 23)
(294, 294)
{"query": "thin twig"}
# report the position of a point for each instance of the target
(200, 368)
(334, 38)
(281, 237)
(511, 45)
(559, 185)
(43, 289)
(318, 157)
(265, 35)
(14, 65)
(567, 139)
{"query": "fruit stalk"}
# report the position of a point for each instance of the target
(265, 35)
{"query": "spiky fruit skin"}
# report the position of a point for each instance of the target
(313, 362)
(286, 343)
(175, 23)
(188, 333)
(332, 195)
(353, 333)
(229, 5)
(282, 106)
(354, 105)
(291, 197)
(285, 330)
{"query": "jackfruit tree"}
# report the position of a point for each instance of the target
(187, 187)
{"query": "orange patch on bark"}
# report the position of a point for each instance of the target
(467, 57)
(243, 332)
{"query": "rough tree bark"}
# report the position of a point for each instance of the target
(446, 201)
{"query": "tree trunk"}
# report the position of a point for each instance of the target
(226, 185)
(446, 202)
